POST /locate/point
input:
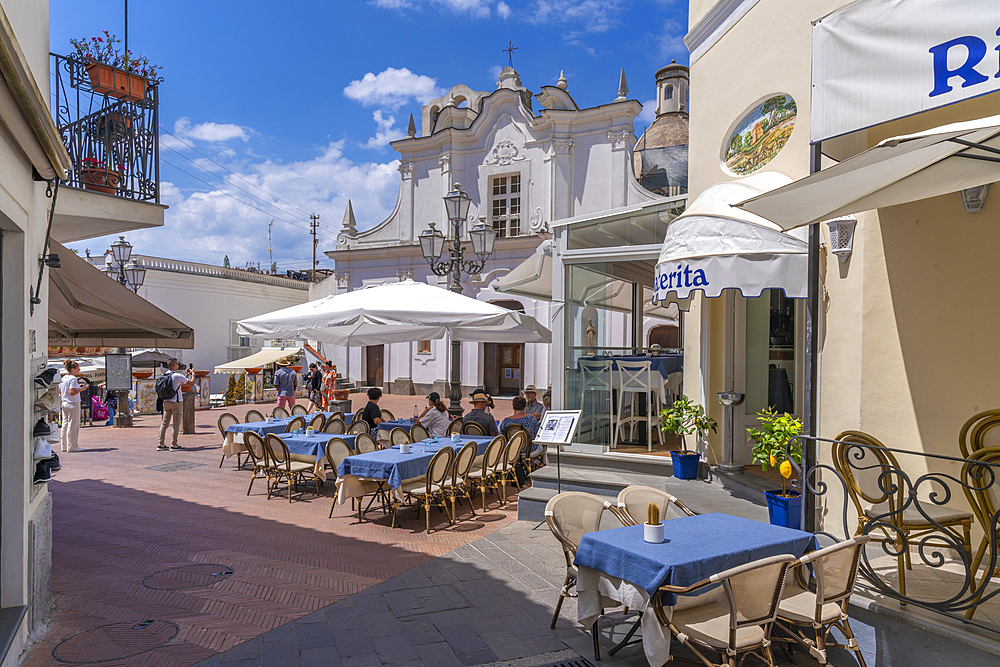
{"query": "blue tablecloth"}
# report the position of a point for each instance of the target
(433, 447)
(389, 464)
(695, 548)
(262, 428)
(404, 424)
(313, 445)
(665, 364)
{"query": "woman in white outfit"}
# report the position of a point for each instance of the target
(435, 416)
(69, 389)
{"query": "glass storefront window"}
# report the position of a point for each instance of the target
(770, 352)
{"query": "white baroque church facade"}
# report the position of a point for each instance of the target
(526, 160)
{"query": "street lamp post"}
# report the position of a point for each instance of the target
(131, 274)
(432, 243)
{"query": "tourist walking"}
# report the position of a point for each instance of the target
(435, 416)
(70, 388)
(314, 384)
(286, 381)
(171, 400)
(329, 384)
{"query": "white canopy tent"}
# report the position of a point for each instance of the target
(902, 169)
(267, 355)
(713, 246)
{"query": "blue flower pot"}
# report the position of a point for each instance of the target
(685, 465)
(783, 511)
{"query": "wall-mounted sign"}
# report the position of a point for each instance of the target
(876, 61)
(759, 134)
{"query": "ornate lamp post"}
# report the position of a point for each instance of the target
(131, 274)
(432, 243)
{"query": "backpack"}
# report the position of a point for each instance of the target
(165, 387)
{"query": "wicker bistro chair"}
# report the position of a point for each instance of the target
(318, 422)
(472, 428)
(364, 444)
(460, 486)
(742, 626)
(280, 413)
(454, 427)
(570, 515)
(399, 436)
(418, 432)
(339, 414)
(358, 427)
(356, 417)
(299, 410)
(280, 466)
(253, 416)
(334, 425)
(981, 484)
(979, 432)
(633, 501)
(225, 421)
(511, 456)
(257, 453)
(295, 423)
(835, 569)
(387, 416)
(431, 488)
(337, 450)
(511, 429)
(877, 491)
(486, 468)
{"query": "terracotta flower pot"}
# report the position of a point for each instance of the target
(201, 374)
(116, 82)
(341, 394)
(100, 179)
(142, 375)
(297, 369)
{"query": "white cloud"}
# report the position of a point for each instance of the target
(476, 8)
(211, 132)
(648, 114)
(671, 40)
(392, 88)
(592, 16)
(387, 131)
(503, 10)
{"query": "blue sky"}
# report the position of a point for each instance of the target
(298, 101)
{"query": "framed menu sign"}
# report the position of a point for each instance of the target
(118, 372)
(558, 427)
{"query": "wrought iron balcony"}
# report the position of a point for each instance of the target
(110, 125)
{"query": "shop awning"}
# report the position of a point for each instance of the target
(532, 277)
(266, 356)
(86, 308)
(713, 246)
(898, 170)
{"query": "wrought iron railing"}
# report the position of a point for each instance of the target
(113, 137)
(878, 493)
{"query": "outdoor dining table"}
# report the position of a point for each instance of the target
(233, 443)
(386, 427)
(312, 448)
(618, 567)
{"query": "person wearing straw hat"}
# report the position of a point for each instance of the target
(285, 381)
(533, 408)
(478, 413)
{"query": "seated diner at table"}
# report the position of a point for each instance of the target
(532, 408)
(478, 413)
(435, 416)
(372, 414)
(521, 419)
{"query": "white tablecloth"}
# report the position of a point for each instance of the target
(597, 590)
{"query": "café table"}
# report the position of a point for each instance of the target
(233, 442)
(312, 448)
(618, 567)
(386, 427)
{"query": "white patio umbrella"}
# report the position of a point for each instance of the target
(397, 313)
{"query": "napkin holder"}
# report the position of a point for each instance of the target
(653, 533)
(310, 431)
(404, 448)
(269, 420)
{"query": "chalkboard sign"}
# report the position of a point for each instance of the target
(118, 372)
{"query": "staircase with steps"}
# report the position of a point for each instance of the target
(606, 475)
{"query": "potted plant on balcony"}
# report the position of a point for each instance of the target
(95, 175)
(112, 71)
(784, 507)
(683, 418)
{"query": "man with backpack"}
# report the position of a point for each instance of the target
(170, 388)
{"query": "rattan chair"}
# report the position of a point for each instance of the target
(418, 432)
(298, 409)
(257, 453)
(280, 413)
(570, 515)
(253, 416)
(399, 436)
(317, 422)
(486, 468)
(979, 432)
(431, 489)
(226, 420)
(513, 452)
(337, 450)
(877, 491)
(835, 569)
(473, 428)
(387, 416)
(454, 427)
(295, 423)
(732, 630)
(364, 444)
(460, 486)
(358, 427)
(981, 484)
(511, 429)
(334, 425)
(280, 466)
(356, 417)
(339, 414)
(633, 501)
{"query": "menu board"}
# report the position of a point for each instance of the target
(558, 427)
(118, 372)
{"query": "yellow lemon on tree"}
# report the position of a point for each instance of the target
(786, 469)
(774, 463)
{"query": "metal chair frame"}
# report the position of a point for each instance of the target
(437, 474)
(334, 425)
(597, 415)
(358, 427)
(418, 432)
(454, 427)
(280, 413)
(229, 420)
(635, 377)
(299, 410)
(317, 422)
(280, 466)
(253, 416)
(364, 444)
(399, 436)
(492, 459)
(460, 470)
(473, 428)
(661, 498)
(387, 415)
(258, 456)
(295, 423)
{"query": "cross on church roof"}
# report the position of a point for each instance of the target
(510, 53)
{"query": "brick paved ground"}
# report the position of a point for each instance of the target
(116, 523)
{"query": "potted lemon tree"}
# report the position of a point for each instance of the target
(684, 418)
(784, 506)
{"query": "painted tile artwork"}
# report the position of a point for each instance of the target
(760, 134)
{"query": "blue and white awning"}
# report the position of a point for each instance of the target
(713, 246)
